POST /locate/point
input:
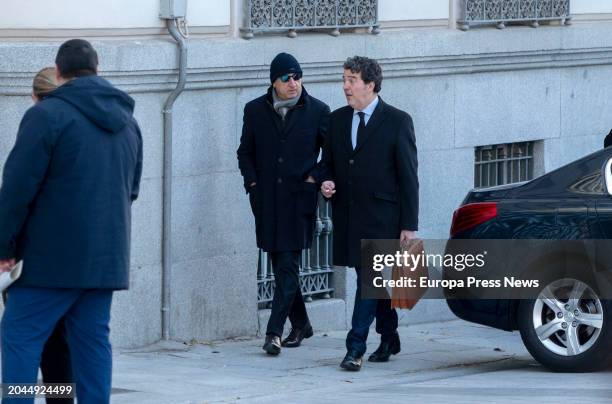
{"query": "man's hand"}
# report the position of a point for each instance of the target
(6, 265)
(252, 184)
(406, 235)
(328, 188)
(311, 179)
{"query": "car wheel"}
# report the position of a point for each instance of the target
(568, 328)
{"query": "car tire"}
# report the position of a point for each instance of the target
(567, 330)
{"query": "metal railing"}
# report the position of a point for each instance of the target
(503, 164)
(315, 268)
(500, 12)
(296, 15)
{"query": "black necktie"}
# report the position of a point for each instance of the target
(360, 129)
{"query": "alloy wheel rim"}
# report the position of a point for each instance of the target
(568, 317)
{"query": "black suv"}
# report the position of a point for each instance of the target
(567, 325)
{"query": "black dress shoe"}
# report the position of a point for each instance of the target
(352, 361)
(386, 348)
(295, 337)
(272, 346)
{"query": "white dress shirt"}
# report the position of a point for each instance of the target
(368, 111)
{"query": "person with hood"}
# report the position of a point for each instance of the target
(65, 210)
(282, 134)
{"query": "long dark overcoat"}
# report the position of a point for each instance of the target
(377, 188)
(279, 155)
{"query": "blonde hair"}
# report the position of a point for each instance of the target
(44, 82)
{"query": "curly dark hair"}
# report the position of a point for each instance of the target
(369, 68)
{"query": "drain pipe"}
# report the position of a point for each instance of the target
(179, 35)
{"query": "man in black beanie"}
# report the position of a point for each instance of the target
(282, 134)
(65, 211)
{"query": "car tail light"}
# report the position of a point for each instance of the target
(471, 215)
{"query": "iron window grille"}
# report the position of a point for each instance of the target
(299, 15)
(503, 164)
(501, 12)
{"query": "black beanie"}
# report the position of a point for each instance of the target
(283, 63)
(75, 56)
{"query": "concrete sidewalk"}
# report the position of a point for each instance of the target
(452, 361)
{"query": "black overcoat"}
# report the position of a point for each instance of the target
(377, 188)
(279, 155)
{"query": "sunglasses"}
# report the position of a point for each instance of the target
(295, 76)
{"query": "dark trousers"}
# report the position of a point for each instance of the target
(287, 300)
(364, 312)
(55, 360)
(30, 317)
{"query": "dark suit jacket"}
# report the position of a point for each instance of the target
(279, 156)
(68, 185)
(377, 188)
